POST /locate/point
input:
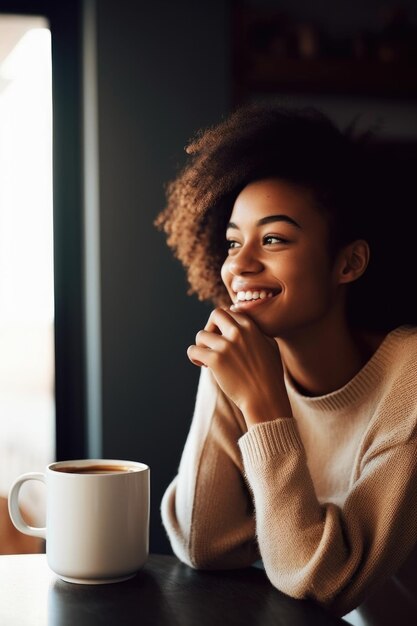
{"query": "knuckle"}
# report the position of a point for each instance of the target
(234, 333)
(223, 346)
(246, 322)
(220, 351)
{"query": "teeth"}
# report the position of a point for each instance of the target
(245, 296)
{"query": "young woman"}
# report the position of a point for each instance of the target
(302, 450)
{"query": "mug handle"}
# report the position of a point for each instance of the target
(14, 510)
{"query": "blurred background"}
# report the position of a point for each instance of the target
(97, 101)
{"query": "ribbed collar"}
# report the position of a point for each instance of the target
(364, 381)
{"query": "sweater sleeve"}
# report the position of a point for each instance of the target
(333, 555)
(207, 510)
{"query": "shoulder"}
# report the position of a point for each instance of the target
(401, 351)
(392, 367)
(394, 407)
(395, 352)
(398, 355)
(404, 336)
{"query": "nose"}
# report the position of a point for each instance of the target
(244, 261)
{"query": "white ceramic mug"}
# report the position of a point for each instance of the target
(97, 518)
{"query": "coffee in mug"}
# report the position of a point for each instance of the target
(94, 469)
(97, 518)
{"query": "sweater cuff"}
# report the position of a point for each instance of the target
(268, 439)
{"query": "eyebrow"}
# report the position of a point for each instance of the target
(269, 219)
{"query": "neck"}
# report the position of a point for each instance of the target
(324, 359)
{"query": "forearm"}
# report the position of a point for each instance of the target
(207, 510)
(318, 551)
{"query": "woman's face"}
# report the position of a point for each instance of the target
(278, 269)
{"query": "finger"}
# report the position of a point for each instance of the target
(211, 326)
(220, 321)
(213, 341)
(198, 363)
(240, 318)
(241, 321)
(198, 355)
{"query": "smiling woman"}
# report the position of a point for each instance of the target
(302, 449)
(286, 256)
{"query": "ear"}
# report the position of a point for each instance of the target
(352, 261)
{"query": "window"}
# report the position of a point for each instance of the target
(27, 399)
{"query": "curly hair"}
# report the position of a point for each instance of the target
(300, 146)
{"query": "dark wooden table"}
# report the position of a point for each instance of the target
(164, 593)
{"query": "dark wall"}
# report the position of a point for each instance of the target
(162, 74)
(339, 17)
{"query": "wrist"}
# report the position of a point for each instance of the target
(266, 413)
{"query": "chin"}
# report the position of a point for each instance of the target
(268, 328)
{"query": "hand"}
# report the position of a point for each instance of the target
(245, 363)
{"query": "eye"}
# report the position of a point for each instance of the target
(273, 239)
(231, 243)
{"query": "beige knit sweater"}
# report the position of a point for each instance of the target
(328, 500)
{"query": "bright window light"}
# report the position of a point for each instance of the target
(27, 404)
